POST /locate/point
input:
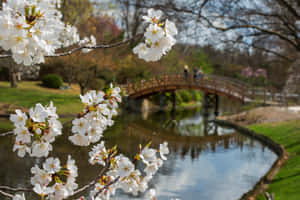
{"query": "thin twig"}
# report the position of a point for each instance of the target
(92, 182)
(6, 194)
(107, 185)
(4, 187)
(103, 170)
(6, 133)
(99, 46)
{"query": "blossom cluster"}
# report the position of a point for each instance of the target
(247, 72)
(35, 132)
(99, 108)
(122, 171)
(250, 72)
(159, 37)
(31, 29)
(55, 181)
(87, 42)
(260, 72)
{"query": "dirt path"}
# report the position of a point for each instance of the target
(6, 109)
(264, 115)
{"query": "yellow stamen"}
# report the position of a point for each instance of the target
(19, 26)
(19, 39)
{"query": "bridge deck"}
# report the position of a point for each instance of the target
(219, 85)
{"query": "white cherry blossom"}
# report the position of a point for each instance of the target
(40, 149)
(154, 33)
(53, 181)
(125, 166)
(153, 16)
(33, 29)
(151, 168)
(171, 28)
(80, 140)
(98, 154)
(40, 177)
(42, 190)
(150, 195)
(19, 119)
(80, 126)
(22, 149)
(38, 114)
(23, 135)
(52, 165)
(163, 150)
(148, 155)
(19, 197)
(159, 37)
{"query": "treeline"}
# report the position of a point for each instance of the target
(103, 66)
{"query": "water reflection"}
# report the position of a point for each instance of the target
(206, 161)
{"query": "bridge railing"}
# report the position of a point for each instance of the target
(210, 83)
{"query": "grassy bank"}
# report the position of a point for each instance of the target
(29, 93)
(286, 184)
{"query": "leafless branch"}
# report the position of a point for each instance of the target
(99, 46)
(6, 194)
(259, 48)
(289, 7)
(6, 133)
(14, 189)
(82, 189)
(107, 185)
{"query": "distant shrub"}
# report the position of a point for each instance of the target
(186, 95)
(197, 96)
(179, 99)
(52, 81)
(4, 74)
(106, 75)
(97, 84)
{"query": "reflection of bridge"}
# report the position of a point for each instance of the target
(209, 84)
(185, 144)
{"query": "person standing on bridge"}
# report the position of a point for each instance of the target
(195, 73)
(186, 71)
(199, 73)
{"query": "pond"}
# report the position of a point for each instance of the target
(206, 161)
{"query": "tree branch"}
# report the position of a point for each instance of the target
(251, 26)
(102, 172)
(99, 46)
(107, 185)
(289, 7)
(14, 189)
(6, 194)
(260, 48)
(6, 133)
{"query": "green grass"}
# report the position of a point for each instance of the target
(5, 125)
(286, 184)
(29, 93)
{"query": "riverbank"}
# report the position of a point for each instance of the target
(282, 125)
(29, 93)
(261, 115)
(286, 183)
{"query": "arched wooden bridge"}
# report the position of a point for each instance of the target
(211, 84)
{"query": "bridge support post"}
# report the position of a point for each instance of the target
(173, 96)
(216, 105)
(162, 100)
(211, 101)
(206, 104)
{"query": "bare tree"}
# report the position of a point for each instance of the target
(268, 25)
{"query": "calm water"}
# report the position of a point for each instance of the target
(206, 161)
